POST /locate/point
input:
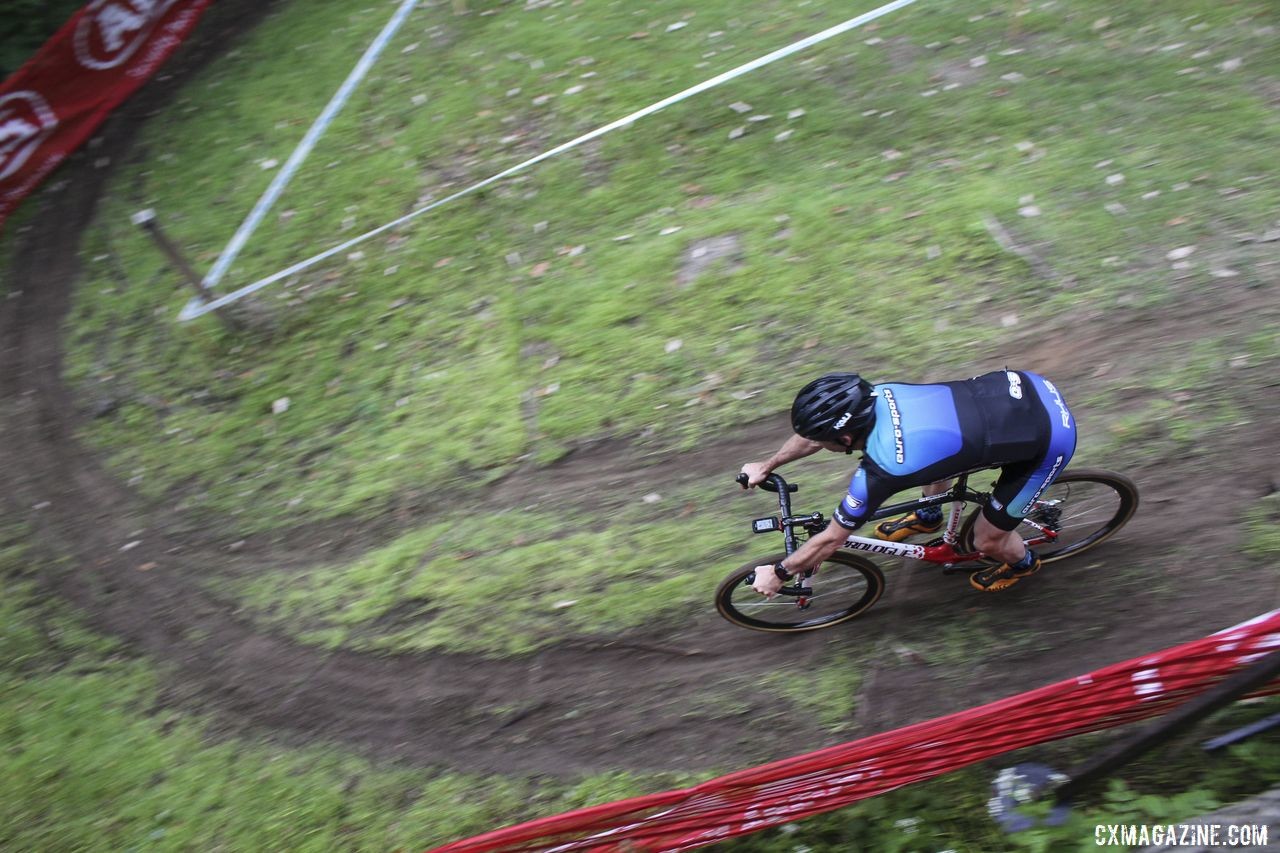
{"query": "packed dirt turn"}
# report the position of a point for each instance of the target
(558, 711)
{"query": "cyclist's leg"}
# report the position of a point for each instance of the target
(996, 542)
(994, 534)
(1014, 494)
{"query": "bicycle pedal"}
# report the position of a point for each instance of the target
(958, 570)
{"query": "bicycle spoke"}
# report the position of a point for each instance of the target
(1083, 508)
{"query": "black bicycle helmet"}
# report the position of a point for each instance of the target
(833, 405)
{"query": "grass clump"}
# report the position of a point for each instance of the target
(557, 306)
(96, 759)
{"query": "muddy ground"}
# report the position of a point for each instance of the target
(637, 701)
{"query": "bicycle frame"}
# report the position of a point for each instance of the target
(943, 552)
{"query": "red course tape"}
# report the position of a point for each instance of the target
(806, 785)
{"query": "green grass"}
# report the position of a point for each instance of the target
(541, 578)
(549, 311)
(27, 27)
(1263, 537)
(508, 327)
(94, 759)
(513, 324)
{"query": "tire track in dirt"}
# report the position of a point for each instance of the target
(551, 712)
(637, 702)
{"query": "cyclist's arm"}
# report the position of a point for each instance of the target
(792, 449)
(815, 549)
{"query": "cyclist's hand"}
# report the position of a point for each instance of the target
(756, 472)
(767, 581)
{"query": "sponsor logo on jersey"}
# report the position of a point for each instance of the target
(1015, 384)
(853, 502)
(111, 30)
(899, 449)
(25, 122)
(1062, 407)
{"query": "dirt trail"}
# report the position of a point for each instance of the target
(558, 711)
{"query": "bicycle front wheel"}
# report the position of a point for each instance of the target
(1085, 506)
(844, 586)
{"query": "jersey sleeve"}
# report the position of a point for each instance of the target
(866, 492)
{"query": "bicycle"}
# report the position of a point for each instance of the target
(1078, 511)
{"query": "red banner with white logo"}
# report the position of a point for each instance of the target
(53, 103)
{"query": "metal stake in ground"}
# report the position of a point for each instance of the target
(146, 220)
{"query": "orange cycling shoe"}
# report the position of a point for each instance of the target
(1001, 577)
(919, 521)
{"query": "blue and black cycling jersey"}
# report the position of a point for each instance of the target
(1013, 420)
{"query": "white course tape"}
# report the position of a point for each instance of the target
(198, 307)
(321, 124)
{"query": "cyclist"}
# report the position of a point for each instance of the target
(922, 435)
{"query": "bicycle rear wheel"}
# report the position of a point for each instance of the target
(1085, 506)
(844, 586)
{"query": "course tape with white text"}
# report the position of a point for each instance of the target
(806, 785)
